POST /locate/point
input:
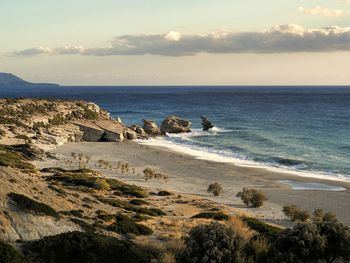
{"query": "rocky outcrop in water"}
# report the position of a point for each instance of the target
(206, 123)
(175, 124)
(150, 127)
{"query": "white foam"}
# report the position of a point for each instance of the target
(295, 185)
(202, 153)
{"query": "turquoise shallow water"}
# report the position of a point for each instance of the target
(305, 129)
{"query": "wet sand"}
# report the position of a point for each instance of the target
(192, 176)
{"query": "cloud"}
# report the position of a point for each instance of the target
(278, 39)
(322, 11)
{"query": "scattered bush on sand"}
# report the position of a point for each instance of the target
(252, 197)
(296, 214)
(215, 189)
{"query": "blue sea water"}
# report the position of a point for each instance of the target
(303, 129)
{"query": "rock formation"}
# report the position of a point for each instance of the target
(206, 123)
(174, 124)
(150, 127)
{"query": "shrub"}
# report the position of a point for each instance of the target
(26, 203)
(213, 243)
(106, 217)
(268, 231)
(301, 243)
(252, 197)
(16, 157)
(296, 214)
(212, 215)
(127, 189)
(164, 193)
(8, 254)
(77, 247)
(130, 227)
(138, 202)
(215, 189)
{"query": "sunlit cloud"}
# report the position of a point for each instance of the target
(323, 11)
(278, 39)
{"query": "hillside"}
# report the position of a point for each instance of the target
(10, 80)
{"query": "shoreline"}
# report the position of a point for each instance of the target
(189, 175)
(221, 158)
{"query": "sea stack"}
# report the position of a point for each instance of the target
(150, 127)
(206, 123)
(175, 124)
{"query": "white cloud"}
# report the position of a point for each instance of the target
(278, 39)
(322, 11)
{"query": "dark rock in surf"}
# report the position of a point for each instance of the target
(150, 127)
(206, 123)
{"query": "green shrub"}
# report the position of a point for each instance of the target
(77, 247)
(296, 214)
(262, 228)
(130, 227)
(127, 189)
(84, 225)
(138, 202)
(252, 197)
(215, 189)
(164, 193)
(212, 243)
(212, 215)
(106, 217)
(301, 243)
(16, 157)
(8, 254)
(25, 203)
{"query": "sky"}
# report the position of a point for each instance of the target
(182, 42)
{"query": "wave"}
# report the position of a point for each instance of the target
(282, 165)
(198, 133)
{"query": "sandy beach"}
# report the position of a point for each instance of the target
(189, 175)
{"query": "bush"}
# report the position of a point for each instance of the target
(138, 202)
(129, 226)
(213, 243)
(301, 243)
(8, 254)
(212, 215)
(296, 214)
(266, 230)
(77, 247)
(215, 189)
(31, 205)
(16, 157)
(164, 193)
(127, 189)
(252, 197)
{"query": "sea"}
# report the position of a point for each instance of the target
(303, 130)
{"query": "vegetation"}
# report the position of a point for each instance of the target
(8, 254)
(215, 189)
(25, 203)
(212, 215)
(268, 231)
(164, 193)
(17, 156)
(149, 174)
(130, 227)
(138, 202)
(77, 247)
(296, 214)
(213, 243)
(252, 197)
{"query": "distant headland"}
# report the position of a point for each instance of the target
(10, 80)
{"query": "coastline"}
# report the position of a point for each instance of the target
(189, 175)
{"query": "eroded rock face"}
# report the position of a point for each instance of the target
(206, 123)
(150, 127)
(175, 124)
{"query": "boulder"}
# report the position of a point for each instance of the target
(206, 123)
(91, 132)
(150, 127)
(138, 129)
(131, 135)
(174, 124)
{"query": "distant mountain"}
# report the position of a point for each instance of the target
(10, 80)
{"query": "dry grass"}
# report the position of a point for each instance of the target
(240, 228)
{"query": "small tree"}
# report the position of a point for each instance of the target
(215, 189)
(252, 197)
(296, 214)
